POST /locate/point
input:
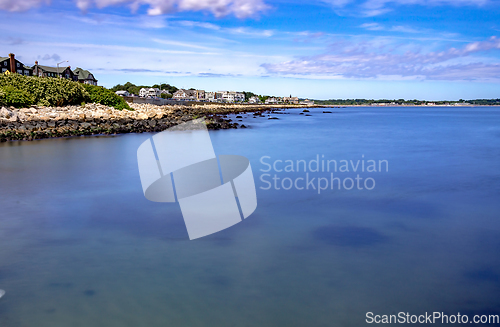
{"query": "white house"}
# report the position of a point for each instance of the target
(231, 96)
(254, 99)
(272, 100)
(150, 92)
(307, 102)
(183, 94)
(122, 93)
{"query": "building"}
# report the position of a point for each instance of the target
(254, 99)
(307, 102)
(149, 92)
(231, 96)
(200, 95)
(84, 76)
(47, 71)
(188, 95)
(272, 100)
(123, 93)
(290, 99)
(13, 65)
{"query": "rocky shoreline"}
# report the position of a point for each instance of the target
(93, 119)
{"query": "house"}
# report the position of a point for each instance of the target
(13, 65)
(84, 76)
(290, 99)
(122, 93)
(211, 96)
(149, 92)
(190, 95)
(272, 100)
(46, 71)
(200, 95)
(231, 96)
(254, 99)
(307, 102)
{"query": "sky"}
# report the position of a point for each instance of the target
(319, 49)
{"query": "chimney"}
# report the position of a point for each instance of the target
(12, 63)
(36, 62)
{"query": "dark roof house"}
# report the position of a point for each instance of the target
(13, 65)
(47, 71)
(84, 76)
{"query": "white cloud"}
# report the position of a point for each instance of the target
(238, 8)
(368, 61)
(21, 5)
(371, 8)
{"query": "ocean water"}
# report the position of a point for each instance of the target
(81, 246)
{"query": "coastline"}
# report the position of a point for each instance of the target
(94, 119)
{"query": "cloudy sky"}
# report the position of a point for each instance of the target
(424, 49)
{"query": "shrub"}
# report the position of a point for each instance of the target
(12, 96)
(44, 91)
(22, 91)
(99, 94)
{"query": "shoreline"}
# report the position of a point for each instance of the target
(36, 122)
(39, 122)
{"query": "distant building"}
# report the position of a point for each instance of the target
(123, 93)
(290, 99)
(211, 96)
(11, 64)
(272, 100)
(84, 76)
(189, 95)
(149, 92)
(307, 102)
(254, 99)
(232, 96)
(47, 71)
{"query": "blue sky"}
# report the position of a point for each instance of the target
(423, 49)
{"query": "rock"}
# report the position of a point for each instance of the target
(305, 110)
(5, 113)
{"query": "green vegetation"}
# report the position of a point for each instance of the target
(248, 95)
(485, 102)
(12, 96)
(99, 94)
(134, 89)
(23, 91)
(368, 102)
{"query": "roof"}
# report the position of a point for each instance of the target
(83, 74)
(51, 69)
(3, 58)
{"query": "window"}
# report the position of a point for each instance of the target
(20, 71)
(18, 65)
(4, 70)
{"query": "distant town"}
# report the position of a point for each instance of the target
(160, 93)
(208, 96)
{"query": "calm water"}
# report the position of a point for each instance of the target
(81, 246)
